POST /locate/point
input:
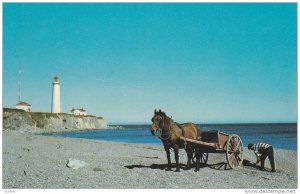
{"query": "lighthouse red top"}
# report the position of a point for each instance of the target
(56, 78)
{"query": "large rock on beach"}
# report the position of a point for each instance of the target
(76, 164)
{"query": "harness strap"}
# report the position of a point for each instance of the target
(171, 131)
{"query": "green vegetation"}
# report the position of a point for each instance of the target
(12, 110)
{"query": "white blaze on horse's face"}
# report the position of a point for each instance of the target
(156, 123)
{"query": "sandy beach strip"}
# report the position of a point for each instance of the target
(35, 161)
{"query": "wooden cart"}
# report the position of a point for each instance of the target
(218, 142)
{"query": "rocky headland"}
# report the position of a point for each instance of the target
(16, 120)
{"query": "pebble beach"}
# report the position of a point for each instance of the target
(32, 161)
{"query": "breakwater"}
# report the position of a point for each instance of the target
(14, 119)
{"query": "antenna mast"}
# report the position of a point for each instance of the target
(19, 86)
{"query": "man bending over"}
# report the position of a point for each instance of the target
(262, 151)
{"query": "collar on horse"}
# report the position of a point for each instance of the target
(170, 131)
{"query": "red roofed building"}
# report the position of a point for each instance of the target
(24, 106)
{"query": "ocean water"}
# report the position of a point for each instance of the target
(278, 135)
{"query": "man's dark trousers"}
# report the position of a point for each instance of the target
(268, 152)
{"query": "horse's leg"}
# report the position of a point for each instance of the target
(197, 152)
(177, 159)
(167, 148)
(189, 152)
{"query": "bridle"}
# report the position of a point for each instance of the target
(170, 130)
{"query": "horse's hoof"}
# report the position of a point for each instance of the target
(168, 169)
(177, 170)
(196, 170)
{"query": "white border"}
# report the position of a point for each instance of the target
(130, 191)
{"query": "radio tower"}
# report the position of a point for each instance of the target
(19, 86)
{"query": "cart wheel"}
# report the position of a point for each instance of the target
(203, 158)
(194, 156)
(234, 151)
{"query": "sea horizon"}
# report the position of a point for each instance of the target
(280, 135)
(229, 123)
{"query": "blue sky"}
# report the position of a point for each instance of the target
(205, 63)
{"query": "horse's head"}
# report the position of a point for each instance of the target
(157, 121)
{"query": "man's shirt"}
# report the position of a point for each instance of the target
(259, 147)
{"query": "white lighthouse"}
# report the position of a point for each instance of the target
(55, 96)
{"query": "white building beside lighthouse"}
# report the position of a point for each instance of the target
(55, 96)
(24, 106)
(78, 111)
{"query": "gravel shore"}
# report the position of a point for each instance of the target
(35, 161)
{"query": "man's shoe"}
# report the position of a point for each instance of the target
(273, 170)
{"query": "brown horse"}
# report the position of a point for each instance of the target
(170, 133)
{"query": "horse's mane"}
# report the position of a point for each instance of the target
(161, 113)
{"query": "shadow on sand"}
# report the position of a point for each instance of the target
(248, 164)
(154, 166)
(217, 166)
(182, 166)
